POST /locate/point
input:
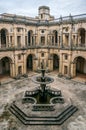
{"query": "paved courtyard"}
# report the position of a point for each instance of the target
(73, 91)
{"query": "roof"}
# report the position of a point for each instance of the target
(44, 7)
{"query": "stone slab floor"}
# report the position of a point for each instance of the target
(73, 91)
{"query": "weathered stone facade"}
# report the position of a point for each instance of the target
(25, 42)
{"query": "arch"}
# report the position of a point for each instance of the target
(5, 66)
(75, 58)
(79, 67)
(4, 33)
(29, 62)
(81, 36)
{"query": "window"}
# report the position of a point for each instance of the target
(42, 54)
(19, 41)
(19, 56)
(18, 29)
(66, 56)
(42, 40)
(41, 16)
(42, 31)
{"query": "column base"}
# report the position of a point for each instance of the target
(60, 75)
(68, 77)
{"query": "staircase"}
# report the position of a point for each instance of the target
(47, 120)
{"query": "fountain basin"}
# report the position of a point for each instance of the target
(42, 80)
(29, 100)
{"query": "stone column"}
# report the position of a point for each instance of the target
(0, 40)
(39, 38)
(50, 64)
(34, 64)
(15, 37)
(12, 70)
(46, 35)
(57, 39)
(73, 69)
(61, 39)
(70, 38)
(23, 37)
(60, 63)
(85, 38)
(7, 41)
(9, 44)
(24, 63)
(76, 39)
(16, 65)
(34, 41)
(69, 65)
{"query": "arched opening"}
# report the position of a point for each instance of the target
(80, 65)
(81, 36)
(3, 37)
(30, 38)
(80, 68)
(55, 62)
(5, 67)
(30, 62)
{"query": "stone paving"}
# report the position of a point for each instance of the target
(73, 91)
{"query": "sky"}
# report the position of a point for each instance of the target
(30, 7)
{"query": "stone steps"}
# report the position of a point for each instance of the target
(39, 120)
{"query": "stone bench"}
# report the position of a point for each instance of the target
(30, 93)
(29, 100)
(54, 92)
(43, 107)
(57, 100)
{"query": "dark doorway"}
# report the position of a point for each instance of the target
(55, 62)
(30, 62)
(80, 65)
(5, 67)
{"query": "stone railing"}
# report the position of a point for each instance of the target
(77, 47)
(33, 21)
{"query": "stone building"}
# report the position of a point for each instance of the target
(25, 42)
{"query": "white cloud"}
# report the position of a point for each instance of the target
(30, 8)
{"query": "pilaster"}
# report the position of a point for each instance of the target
(61, 39)
(0, 40)
(73, 69)
(85, 38)
(70, 38)
(76, 39)
(15, 37)
(60, 63)
(12, 70)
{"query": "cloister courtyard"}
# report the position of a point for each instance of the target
(74, 91)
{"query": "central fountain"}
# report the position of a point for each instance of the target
(43, 99)
(43, 81)
(44, 94)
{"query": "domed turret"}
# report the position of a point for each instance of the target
(44, 13)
